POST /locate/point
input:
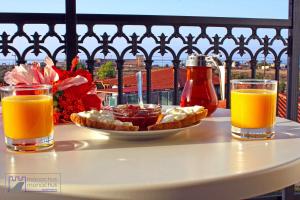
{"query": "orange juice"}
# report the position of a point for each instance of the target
(253, 108)
(27, 116)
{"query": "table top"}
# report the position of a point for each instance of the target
(201, 162)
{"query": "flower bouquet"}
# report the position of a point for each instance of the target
(73, 90)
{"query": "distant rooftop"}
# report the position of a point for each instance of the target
(161, 79)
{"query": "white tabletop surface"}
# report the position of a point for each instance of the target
(202, 162)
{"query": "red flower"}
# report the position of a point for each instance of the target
(76, 98)
(91, 101)
(75, 62)
(56, 117)
(84, 73)
(68, 104)
(62, 74)
(78, 91)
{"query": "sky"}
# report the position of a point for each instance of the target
(219, 8)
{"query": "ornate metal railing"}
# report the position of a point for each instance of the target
(189, 42)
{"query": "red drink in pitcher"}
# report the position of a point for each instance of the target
(199, 88)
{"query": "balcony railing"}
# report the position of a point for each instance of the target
(71, 43)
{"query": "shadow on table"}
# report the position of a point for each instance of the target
(201, 134)
(196, 135)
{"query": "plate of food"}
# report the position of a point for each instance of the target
(132, 122)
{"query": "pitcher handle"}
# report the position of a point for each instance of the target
(216, 63)
(221, 69)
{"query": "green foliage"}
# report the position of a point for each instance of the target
(106, 70)
(56, 96)
(242, 75)
(259, 76)
(281, 87)
(80, 66)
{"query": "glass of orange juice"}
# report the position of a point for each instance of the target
(253, 108)
(27, 113)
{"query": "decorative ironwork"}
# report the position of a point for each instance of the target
(190, 42)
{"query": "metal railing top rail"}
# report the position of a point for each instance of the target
(32, 18)
(58, 18)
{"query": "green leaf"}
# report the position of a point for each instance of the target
(55, 103)
(57, 94)
(106, 70)
(80, 66)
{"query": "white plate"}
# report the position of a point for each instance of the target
(138, 135)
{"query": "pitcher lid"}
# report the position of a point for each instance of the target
(196, 60)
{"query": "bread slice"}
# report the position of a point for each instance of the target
(189, 120)
(107, 125)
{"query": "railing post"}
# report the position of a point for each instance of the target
(90, 65)
(148, 74)
(71, 40)
(120, 63)
(253, 68)
(293, 60)
(176, 63)
(228, 78)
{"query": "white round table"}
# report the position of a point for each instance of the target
(202, 162)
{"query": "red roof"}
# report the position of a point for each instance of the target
(282, 103)
(161, 79)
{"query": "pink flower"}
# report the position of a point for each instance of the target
(72, 81)
(32, 74)
(73, 91)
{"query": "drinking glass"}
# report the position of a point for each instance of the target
(253, 108)
(27, 113)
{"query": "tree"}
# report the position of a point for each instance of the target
(281, 87)
(106, 70)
